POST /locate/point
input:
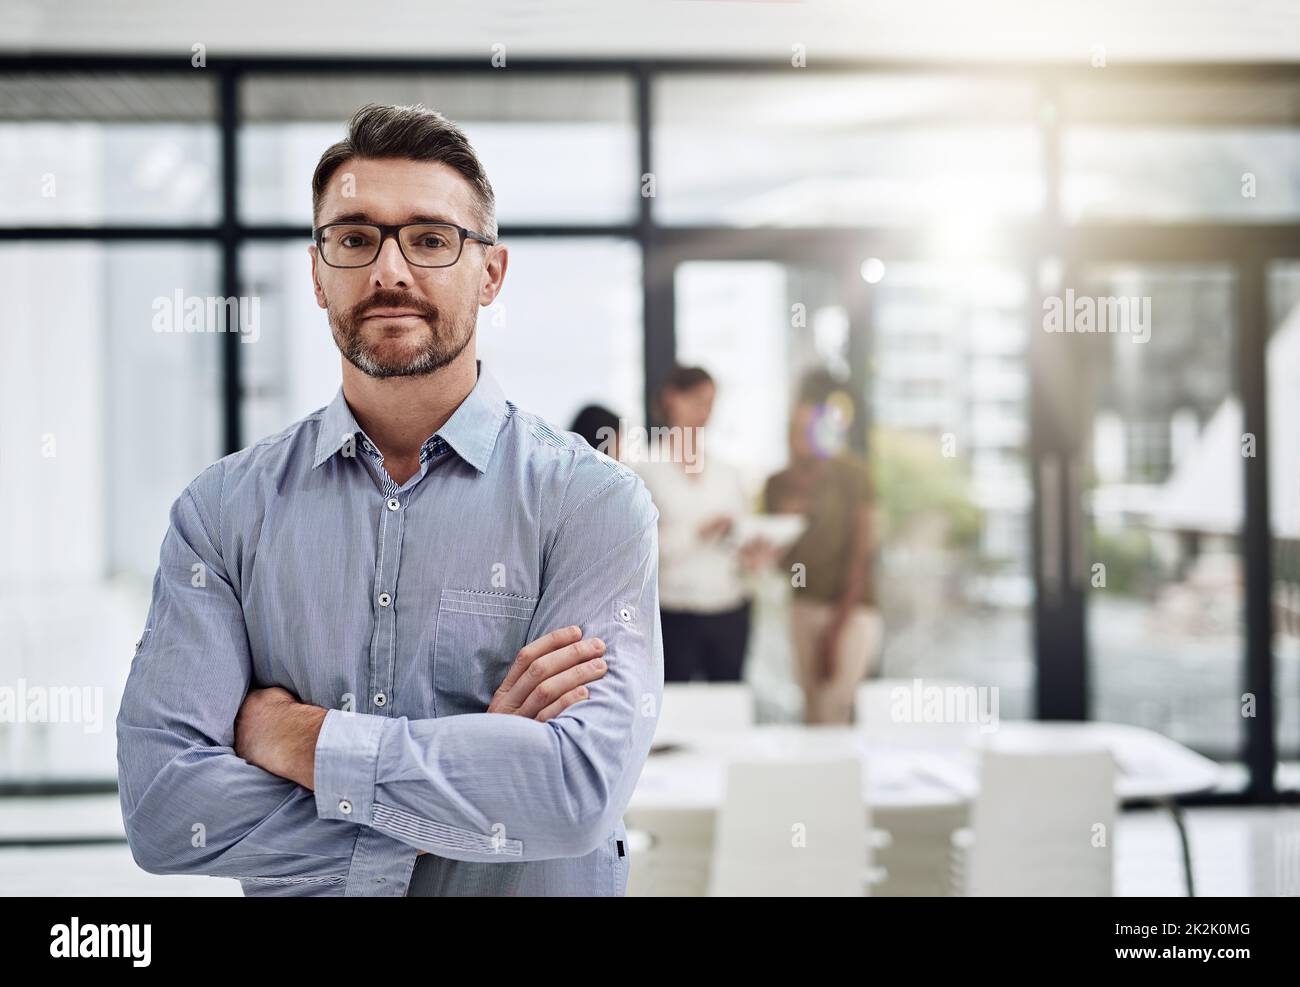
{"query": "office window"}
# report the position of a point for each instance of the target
(566, 330)
(1186, 152)
(949, 449)
(557, 149)
(733, 319)
(108, 408)
(737, 320)
(1283, 376)
(90, 148)
(1162, 577)
(293, 367)
(1177, 174)
(796, 149)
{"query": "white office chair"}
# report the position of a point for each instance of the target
(669, 852)
(876, 713)
(691, 706)
(792, 828)
(1042, 825)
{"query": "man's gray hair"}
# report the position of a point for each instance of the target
(414, 132)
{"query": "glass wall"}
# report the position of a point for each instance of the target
(559, 149)
(108, 418)
(109, 406)
(113, 149)
(843, 150)
(738, 319)
(949, 447)
(1163, 576)
(757, 327)
(1283, 375)
(1180, 152)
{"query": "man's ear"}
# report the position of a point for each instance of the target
(494, 275)
(315, 281)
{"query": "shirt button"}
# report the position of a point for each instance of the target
(380, 699)
(394, 503)
(625, 614)
(345, 806)
(385, 599)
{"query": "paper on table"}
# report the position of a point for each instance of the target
(780, 530)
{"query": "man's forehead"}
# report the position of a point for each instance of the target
(393, 189)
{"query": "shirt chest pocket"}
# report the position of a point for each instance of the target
(478, 634)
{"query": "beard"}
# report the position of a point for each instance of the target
(379, 351)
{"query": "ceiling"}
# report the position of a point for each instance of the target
(926, 30)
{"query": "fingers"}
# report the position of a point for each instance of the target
(563, 703)
(525, 691)
(557, 661)
(576, 666)
(543, 645)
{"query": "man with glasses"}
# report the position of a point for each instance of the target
(410, 645)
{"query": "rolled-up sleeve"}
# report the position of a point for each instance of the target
(190, 804)
(494, 787)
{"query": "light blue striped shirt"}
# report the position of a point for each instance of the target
(298, 562)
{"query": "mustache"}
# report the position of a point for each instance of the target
(391, 298)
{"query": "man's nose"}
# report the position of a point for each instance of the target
(390, 269)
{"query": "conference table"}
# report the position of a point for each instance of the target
(918, 768)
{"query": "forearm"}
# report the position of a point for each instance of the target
(482, 786)
(190, 804)
(202, 810)
(494, 787)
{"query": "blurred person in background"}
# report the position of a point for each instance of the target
(835, 626)
(599, 426)
(704, 603)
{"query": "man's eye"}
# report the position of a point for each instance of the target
(431, 241)
(353, 240)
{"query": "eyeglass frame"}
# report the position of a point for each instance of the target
(387, 230)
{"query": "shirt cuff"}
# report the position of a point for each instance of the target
(347, 754)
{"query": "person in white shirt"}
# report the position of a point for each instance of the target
(703, 601)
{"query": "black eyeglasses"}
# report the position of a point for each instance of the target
(422, 244)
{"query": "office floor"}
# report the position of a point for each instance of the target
(1236, 852)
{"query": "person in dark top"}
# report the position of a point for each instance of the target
(835, 625)
(599, 426)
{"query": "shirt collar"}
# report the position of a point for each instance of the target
(471, 430)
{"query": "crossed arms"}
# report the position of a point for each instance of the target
(555, 787)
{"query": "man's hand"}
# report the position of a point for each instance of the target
(278, 734)
(550, 675)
